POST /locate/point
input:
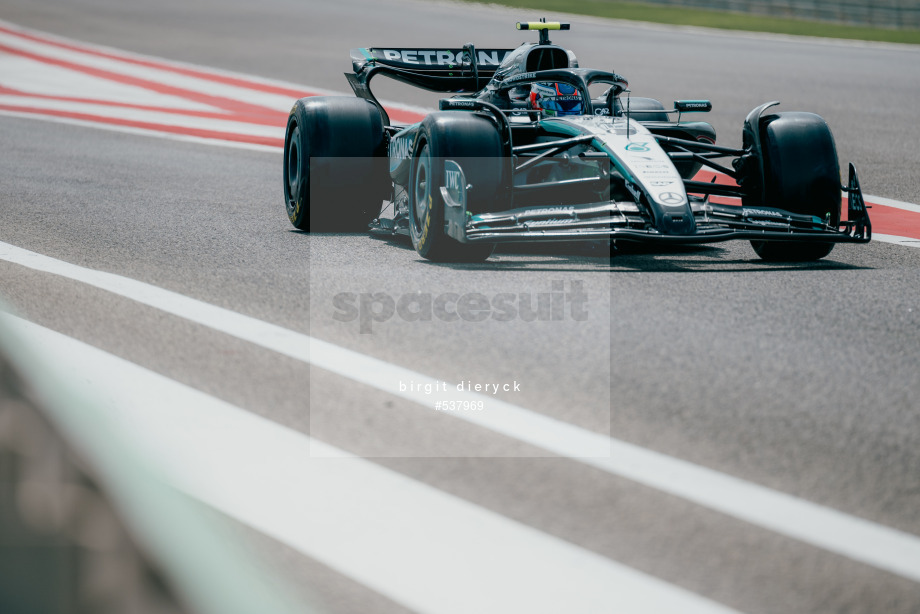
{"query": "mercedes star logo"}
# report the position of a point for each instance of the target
(670, 198)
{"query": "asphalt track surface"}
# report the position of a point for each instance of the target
(804, 379)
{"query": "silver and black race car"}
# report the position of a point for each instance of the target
(533, 148)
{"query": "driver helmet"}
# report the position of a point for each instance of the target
(555, 99)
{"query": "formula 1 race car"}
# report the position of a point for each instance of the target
(524, 151)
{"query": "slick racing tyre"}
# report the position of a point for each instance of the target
(335, 170)
(475, 144)
(801, 175)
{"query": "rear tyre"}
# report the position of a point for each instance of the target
(801, 175)
(474, 143)
(335, 174)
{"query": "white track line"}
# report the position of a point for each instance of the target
(140, 131)
(34, 77)
(162, 76)
(905, 241)
(861, 540)
(428, 550)
(167, 76)
(226, 126)
(81, 47)
(888, 202)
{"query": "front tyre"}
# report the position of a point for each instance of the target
(474, 143)
(801, 175)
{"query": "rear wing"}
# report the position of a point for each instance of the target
(434, 60)
(454, 71)
(437, 69)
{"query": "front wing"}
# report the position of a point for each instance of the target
(626, 221)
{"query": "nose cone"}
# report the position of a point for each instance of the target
(680, 223)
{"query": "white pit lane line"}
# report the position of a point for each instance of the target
(431, 551)
(864, 541)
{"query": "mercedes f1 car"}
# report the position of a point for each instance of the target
(531, 147)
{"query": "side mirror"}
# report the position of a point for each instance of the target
(693, 106)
